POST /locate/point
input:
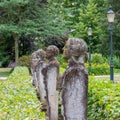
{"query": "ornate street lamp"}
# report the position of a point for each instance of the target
(110, 17)
(90, 40)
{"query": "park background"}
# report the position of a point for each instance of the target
(28, 25)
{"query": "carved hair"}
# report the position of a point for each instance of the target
(34, 55)
(77, 49)
(54, 51)
(41, 54)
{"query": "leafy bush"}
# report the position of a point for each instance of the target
(117, 62)
(24, 61)
(5, 72)
(103, 100)
(18, 99)
(117, 71)
(5, 61)
(99, 69)
(99, 66)
(98, 58)
(62, 61)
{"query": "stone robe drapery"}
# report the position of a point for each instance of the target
(51, 75)
(41, 90)
(74, 93)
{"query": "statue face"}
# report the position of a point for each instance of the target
(74, 47)
(41, 54)
(66, 50)
(34, 56)
(48, 53)
(51, 51)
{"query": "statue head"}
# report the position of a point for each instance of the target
(34, 55)
(51, 51)
(41, 54)
(75, 48)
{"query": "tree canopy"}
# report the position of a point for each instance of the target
(48, 21)
(29, 17)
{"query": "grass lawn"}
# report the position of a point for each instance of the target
(5, 72)
(18, 99)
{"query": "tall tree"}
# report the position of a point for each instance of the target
(88, 15)
(80, 14)
(27, 17)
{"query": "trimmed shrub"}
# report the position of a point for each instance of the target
(103, 100)
(24, 61)
(62, 61)
(99, 69)
(99, 66)
(98, 58)
(18, 99)
(117, 62)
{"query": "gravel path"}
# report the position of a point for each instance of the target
(116, 77)
(3, 78)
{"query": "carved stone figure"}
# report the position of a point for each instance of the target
(75, 81)
(37, 64)
(51, 72)
(40, 88)
(34, 63)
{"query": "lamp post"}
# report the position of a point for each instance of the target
(110, 17)
(90, 40)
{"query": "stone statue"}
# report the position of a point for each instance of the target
(37, 64)
(40, 88)
(51, 72)
(34, 63)
(75, 81)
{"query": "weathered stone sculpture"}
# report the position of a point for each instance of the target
(51, 72)
(75, 81)
(40, 88)
(37, 64)
(34, 63)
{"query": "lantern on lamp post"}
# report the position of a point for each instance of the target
(90, 41)
(110, 17)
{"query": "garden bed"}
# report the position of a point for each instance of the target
(18, 99)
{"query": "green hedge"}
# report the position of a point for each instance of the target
(18, 99)
(103, 100)
(24, 61)
(99, 69)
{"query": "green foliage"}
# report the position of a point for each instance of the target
(89, 15)
(99, 69)
(62, 61)
(39, 19)
(24, 61)
(80, 14)
(4, 72)
(29, 17)
(18, 99)
(71, 11)
(6, 49)
(98, 58)
(5, 61)
(117, 71)
(100, 65)
(103, 100)
(117, 62)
